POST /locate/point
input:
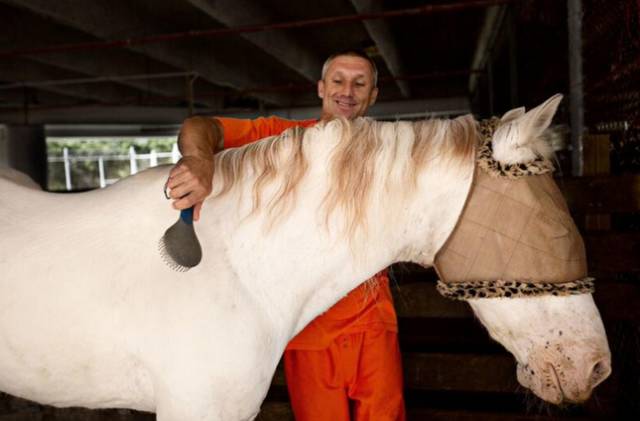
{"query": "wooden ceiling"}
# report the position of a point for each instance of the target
(123, 59)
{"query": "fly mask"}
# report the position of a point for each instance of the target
(515, 236)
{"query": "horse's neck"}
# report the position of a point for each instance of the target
(298, 268)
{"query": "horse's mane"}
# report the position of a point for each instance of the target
(356, 160)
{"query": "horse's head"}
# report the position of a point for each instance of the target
(518, 258)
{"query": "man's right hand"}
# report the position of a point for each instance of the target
(190, 183)
(190, 180)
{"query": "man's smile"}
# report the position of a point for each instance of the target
(345, 103)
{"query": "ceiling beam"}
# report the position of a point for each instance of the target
(109, 20)
(380, 33)
(393, 110)
(25, 30)
(493, 18)
(283, 47)
(18, 71)
(15, 99)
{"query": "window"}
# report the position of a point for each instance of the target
(82, 163)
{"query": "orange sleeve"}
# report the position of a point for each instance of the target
(239, 132)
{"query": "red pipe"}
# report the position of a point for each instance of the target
(154, 39)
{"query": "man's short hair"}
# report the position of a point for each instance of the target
(351, 53)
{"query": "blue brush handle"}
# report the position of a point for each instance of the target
(187, 215)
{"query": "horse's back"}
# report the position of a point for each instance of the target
(92, 316)
(68, 262)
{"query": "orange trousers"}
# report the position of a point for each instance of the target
(358, 377)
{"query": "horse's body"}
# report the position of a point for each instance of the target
(91, 316)
(97, 320)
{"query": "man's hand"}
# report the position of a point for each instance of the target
(190, 182)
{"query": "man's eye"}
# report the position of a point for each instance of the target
(337, 81)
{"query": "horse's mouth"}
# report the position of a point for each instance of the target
(562, 398)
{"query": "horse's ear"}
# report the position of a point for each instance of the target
(539, 118)
(520, 140)
(512, 114)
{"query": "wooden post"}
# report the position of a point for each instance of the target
(190, 80)
(576, 99)
(490, 83)
(67, 168)
(103, 182)
(513, 58)
(133, 164)
(153, 158)
(175, 153)
(596, 161)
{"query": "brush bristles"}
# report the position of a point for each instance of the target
(162, 248)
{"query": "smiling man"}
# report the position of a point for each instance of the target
(345, 365)
(347, 87)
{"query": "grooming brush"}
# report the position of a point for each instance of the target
(179, 246)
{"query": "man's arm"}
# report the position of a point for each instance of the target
(191, 178)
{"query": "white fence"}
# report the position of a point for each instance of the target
(132, 157)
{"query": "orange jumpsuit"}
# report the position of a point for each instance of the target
(346, 363)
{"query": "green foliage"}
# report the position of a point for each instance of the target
(85, 173)
(108, 145)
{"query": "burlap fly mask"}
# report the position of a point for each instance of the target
(515, 236)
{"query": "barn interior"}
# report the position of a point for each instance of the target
(127, 73)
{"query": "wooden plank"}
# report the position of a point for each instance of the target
(602, 194)
(78, 414)
(612, 253)
(275, 411)
(596, 153)
(461, 415)
(456, 372)
(407, 273)
(281, 411)
(10, 404)
(82, 414)
(597, 161)
(597, 222)
(495, 407)
(618, 302)
(451, 335)
(25, 416)
(421, 299)
(460, 372)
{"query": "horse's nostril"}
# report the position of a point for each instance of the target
(600, 371)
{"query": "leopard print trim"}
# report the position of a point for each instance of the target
(512, 289)
(494, 168)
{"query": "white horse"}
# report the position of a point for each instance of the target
(91, 316)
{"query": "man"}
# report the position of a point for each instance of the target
(346, 363)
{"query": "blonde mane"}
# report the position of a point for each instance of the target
(366, 151)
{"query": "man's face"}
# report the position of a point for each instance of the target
(347, 88)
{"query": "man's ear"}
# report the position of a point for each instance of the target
(374, 96)
(321, 89)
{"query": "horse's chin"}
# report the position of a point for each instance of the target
(549, 392)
